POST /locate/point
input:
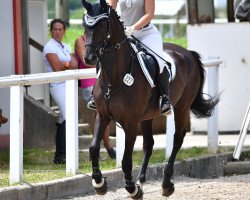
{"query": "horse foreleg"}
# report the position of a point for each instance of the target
(98, 181)
(130, 137)
(148, 143)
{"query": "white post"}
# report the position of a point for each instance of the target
(120, 145)
(212, 130)
(243, 133)
(16, 134)
(72, 127)
(170, 130)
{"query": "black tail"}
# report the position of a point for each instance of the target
(202, 107)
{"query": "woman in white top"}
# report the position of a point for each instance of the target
(136, 15)
(57, 57)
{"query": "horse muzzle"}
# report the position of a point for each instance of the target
(90, 59)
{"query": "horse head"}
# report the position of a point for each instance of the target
(100, 30)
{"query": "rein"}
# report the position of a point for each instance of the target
(104, 47)
(114, 48)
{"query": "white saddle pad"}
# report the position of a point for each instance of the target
(167, 57)
(172, 73)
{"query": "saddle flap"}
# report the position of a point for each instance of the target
(147, 61)
(149, 64)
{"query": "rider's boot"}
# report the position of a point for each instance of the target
(60, 154)
(165, 106)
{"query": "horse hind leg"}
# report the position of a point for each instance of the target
(99, 183)
(148, 143)
(180, 123)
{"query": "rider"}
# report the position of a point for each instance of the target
(136, 15)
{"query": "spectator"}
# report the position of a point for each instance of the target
(58, 57)
(87, 86)
(242, 10)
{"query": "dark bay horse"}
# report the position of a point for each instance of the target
(131, 106)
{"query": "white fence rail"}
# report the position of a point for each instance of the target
(17, 83)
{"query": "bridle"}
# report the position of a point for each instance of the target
(105, 46)
(102, 47)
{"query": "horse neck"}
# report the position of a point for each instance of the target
(116, 64)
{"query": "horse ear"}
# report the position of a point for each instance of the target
(103, 4)
(86, 5)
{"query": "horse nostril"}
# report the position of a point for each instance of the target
(92, 57)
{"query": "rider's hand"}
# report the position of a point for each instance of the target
(129, 31)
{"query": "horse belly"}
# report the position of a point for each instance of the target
(152, 109)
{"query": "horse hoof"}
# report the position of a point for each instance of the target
(137, 194)
(168, 191)
(100, 188)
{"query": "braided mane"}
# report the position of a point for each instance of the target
(116, 14)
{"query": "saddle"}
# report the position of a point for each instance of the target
(148, 62)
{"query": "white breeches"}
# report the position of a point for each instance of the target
(57, 91)
(151, 37)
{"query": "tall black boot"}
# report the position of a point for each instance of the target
(165, 106)
(60, 154)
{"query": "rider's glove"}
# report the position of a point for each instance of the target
(129, 31)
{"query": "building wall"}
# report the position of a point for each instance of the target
(230, 42)
(38, 30)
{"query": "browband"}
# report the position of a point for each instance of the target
(91, 21)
